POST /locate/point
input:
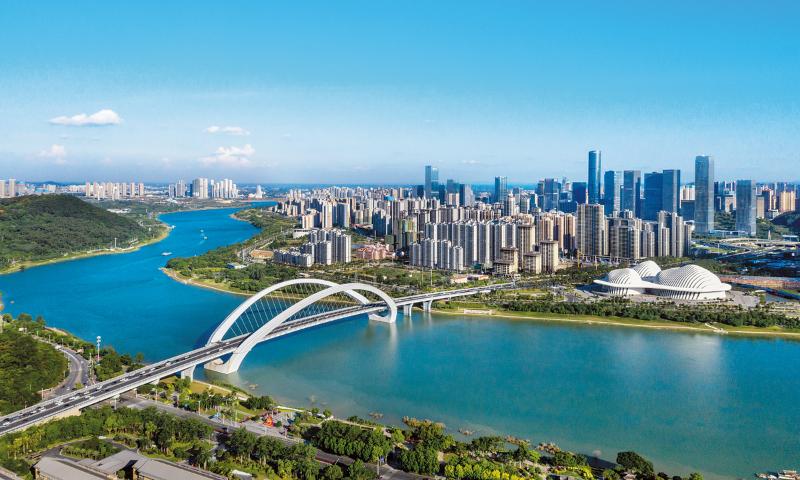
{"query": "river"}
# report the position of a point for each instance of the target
(726, 406)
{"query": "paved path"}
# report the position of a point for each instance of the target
(386, 471)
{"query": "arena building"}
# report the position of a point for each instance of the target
(690, 282)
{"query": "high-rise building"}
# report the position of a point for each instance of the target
(549, 256)
(632, 191)
(593, 180)
(671, 238)
(510, 206)
(341, 216)
(465, 196)
(746, 206)
(653, 193)
(612, 194)
(624, 237)
(431, 181)
(200, 188)
(580, 193)
(671, 191)
(551, 191)
(500, 188)
(591, 230)
(704, 193)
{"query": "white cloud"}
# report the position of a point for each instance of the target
(230, 130)
(230, 156)
(55, 151)
(98, 119)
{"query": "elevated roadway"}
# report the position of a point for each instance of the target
(72, 402)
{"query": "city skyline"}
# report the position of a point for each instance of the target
(279, 95)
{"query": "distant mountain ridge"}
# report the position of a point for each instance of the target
(46, 227)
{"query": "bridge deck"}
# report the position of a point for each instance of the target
(90, 395)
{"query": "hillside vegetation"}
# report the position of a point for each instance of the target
(26, 366)
(38, 228)
(790, 220)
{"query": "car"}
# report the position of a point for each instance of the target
(6, 422)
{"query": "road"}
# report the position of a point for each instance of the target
(386, 471)
(98, 392)
(78, 372)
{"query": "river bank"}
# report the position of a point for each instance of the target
(487, 311)
(17, 267)
(621, 322)
(219, 287)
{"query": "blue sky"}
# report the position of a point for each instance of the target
(372, 91)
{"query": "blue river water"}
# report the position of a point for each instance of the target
(725, 406)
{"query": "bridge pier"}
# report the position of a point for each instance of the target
(426, 306)
(188, 373)
(407, 310)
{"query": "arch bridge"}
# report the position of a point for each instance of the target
(281, 309)
(295, 305)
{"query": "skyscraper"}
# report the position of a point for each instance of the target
(551, 189)
(653, 188)
(671, 191)
(704, 193)
(465, 195)
(579, 193)
(500, 188)
(593, 182)
(431, 180)
(612, 195)
(632, 191)
(746, 206)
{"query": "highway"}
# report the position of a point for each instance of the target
(78, 371)
(98, 392)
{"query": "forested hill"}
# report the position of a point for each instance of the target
(44, 227)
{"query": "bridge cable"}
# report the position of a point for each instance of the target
(247, 318)
(263, 305)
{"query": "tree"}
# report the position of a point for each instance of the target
(241, 444)
(609, 474)
(568, 459)
(422, 459)
(695, 476)
(523, 453)
(487, 444)
(200, 454)
(332, 472)
(634, 462)
(432, 435)
(358, 471)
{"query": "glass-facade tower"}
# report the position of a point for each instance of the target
(431, 180)
(704, 194)
(746, 206)
(593, 181)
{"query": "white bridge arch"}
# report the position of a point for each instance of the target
(260, 334)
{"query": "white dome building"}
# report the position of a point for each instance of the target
(690, 282)
(624, 281)
(647, 269)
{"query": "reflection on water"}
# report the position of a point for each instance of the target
(668, 395)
